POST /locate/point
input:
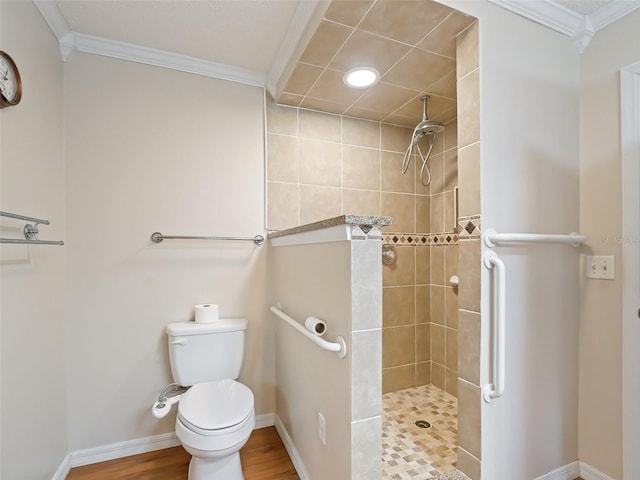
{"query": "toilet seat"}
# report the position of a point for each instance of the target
(216, 408)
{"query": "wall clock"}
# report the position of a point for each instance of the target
(10, 82)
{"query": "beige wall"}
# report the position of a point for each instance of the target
(340, 283)
(150, 149)
(601, 221)
(33, 421)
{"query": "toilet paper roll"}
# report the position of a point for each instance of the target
(206, 313)
(316, 326)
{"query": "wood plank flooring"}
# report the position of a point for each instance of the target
(263, 458)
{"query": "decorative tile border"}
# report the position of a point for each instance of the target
(420, 239)
(470, 227)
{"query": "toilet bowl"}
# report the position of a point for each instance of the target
(214, 421)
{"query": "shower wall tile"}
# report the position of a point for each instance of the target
(423, 265)
(282, 120)
(450, 262)
(423, 213)
(395, 138)
(437, 174)
(438, 345)
(423, 342)
(451, 169)
(469, 346)
(437, 213)
(467, 56)
(468, 464)
(403, 271)
(366, 374)
(302, 79)
(436, 300)
(437, 265)
(451, 135)
(324, 43)
(321, 126)
(398, 306)
(451, 349)
(401, 208)
(282, 205)
(469, 290)
(318, 203)
(450, 217)
(469, 180)
(451, 382)
(347, 12)
(363, 133)
(282, 158)
(469, 429)
(451, 307)
(469, 109)
(423, 301)
(393, 180)
(438, 375)
(394, 346)
(398, 378)
(366, 279)
(319, 163)
(361, 168)
(360, 202)
(423, 373)
(366, 448)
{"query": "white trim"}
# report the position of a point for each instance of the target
(298, 464)
(567, 472)
(63, 470)
(89, 456)
(304, 23)
(161, 58)
(589, 473)
(54, 18)
(556, 16)
(630, 146)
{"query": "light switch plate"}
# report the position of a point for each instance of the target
(600, 266)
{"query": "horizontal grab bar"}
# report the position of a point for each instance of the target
(31, 242)
(496, 389)
(158, 237)
(491, 238)
(22, 217)
(339, 346)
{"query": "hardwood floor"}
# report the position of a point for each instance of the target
(263, 458)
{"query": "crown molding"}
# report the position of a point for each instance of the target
(160, 58)
(581, 28)
(70, 41)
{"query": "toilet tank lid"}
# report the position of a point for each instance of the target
(193, 328)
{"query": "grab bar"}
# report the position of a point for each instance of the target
(31, 242)
(491, 238)
(496, 389)
(157, 237)
(22, 217)
(339, 346)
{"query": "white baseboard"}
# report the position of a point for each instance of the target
(63, 469)
(574, 470)
(291, 450)
(589, 473)
(567, 472)
(88, 456)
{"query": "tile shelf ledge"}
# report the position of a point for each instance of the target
(342, 228)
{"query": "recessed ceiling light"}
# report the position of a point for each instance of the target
(361, 77)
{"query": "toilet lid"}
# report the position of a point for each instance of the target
(216, 405)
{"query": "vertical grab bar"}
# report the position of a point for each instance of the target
(494, 390)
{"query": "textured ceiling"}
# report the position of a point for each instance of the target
(584, 7)
(412, 43)
(244, 34)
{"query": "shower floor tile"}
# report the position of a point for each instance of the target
(413, 453)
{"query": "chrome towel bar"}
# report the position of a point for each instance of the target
(158, 237)
(30, 231)
(339, 346)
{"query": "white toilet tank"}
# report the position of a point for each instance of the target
(204, 352)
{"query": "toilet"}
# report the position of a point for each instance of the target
(216, 415)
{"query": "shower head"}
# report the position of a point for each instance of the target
(426, 126)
